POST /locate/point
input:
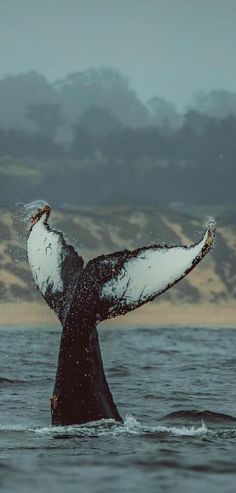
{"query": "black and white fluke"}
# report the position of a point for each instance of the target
(83, 295)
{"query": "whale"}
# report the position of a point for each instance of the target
(84, 294)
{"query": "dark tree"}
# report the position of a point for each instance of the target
(17, 92)
(47, 117)
(163, 114)
(99, 121)
(104, 87)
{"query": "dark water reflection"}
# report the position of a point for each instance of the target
(152, 373)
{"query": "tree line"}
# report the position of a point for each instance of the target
(92, 141)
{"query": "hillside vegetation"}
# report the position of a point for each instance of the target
(98, 231)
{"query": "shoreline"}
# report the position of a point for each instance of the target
(162, 314)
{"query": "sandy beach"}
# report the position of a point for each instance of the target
(151, 315)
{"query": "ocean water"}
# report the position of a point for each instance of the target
(175, 389)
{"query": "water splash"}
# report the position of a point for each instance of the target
(27, 210)
(109, 427)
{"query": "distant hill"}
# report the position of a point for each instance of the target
(98, 231)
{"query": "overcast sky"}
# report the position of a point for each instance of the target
(167, 47)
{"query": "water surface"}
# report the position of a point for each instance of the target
(152, 373)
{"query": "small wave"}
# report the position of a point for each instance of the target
(196, 415)
(8, 381)
(10, 427)
(132, 425)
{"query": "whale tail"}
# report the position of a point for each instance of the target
(81, 392)
(82, 296)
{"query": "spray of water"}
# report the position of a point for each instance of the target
(25, 211)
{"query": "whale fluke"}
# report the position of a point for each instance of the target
(83, 295)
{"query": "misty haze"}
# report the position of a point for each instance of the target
(88, 139)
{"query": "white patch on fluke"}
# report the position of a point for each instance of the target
(45, 254)
(154, 270)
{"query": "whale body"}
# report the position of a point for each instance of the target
(84, 295)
